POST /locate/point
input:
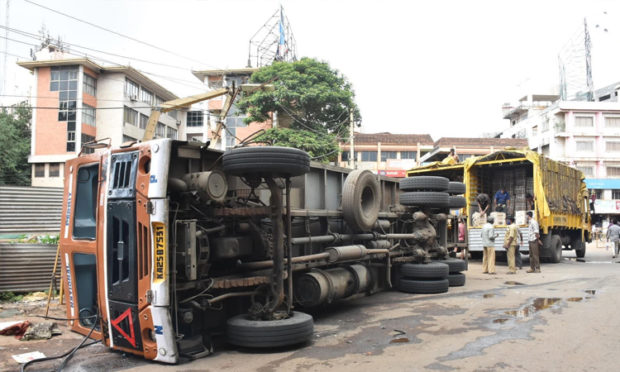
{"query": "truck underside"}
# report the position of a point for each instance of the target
(190, 243)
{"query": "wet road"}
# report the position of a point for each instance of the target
(562, 319)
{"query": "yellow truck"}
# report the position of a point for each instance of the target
(558, 198)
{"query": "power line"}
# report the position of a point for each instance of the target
(116, 33)
(10, 54)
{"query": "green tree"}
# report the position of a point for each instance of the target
(317, 99)
(15, 145)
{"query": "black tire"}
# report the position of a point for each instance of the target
(580, 248)
(433, 270)
(361, 200)
(425, 199)
(455, 202)
(456, 188)
(294, 330)
(266, 161)
(423, 286)
(555, 249)
(456, 280)
(455, 265)
(424, 183)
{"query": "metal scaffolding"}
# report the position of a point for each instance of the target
(274, 41)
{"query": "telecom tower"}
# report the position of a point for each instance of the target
(274, 41)
(575, 64)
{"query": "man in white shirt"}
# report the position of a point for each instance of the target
(613, 236)
(488, 236)
(535, 243)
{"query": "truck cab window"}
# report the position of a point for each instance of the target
(85, 207)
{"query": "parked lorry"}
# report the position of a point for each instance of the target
(557, 193)
(166, 244)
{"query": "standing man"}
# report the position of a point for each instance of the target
(613, 235)
(502, 200)
(451, 159)
(510, 245)
(488, 236)
(535, 243)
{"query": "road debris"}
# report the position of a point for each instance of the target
(16, 328)
(26, 357)
(41, 331)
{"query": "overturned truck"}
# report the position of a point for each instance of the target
(166, 244)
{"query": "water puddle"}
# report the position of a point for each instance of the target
(574, 299)
(590, 291)
(536, 306)
(488, 295)
(500, 320)
(512, 282)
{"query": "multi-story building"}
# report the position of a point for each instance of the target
(76, 100)
(386, 153)
(583, 134)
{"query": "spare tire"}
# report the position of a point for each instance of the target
(266, 161)
(424, 183)
(433, 270)
(242, 331)
(361, 200)
(456, 201)
(424, 286)
(425, 199)
(455, 265)
(456, 188)
(456, 280)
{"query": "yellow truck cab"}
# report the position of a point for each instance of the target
(560, 198)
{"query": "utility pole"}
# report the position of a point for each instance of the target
(351, 140)
(6, 48)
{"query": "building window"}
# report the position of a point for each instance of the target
(599, 194)
(584, 121)
(90, 85)
(369, 156)
(85, 139)
(612, 146)
(54, 169)
(408, 154)
(385, 155)
(70, 140)
(173, 114)
(39, 170)
(584, 146)
(131, 116)
(545, 150)
(143, 121)
(345, 155)
(534, 130)
(587, 171)
(613, 171)
(131, 89)
(88, 115)
(194, 119)
(158, 101)
(612, 122)
(146, 96)
(172, 133)
(160, 130)
(615, 194)
(63, 78)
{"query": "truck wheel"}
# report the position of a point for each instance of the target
(456, 188)
(424, 183)
(433, 270)
(361, 200)
(555, 249)
(242, 331)
(580, 248)
(424, 286)
(456, 280)
(266, 161)
(425, 199)
(455, 265)
(456, 202)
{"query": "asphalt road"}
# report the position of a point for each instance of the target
(562, 319)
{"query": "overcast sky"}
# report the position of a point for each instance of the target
(438, 67)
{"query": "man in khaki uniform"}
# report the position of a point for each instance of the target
(488, 236)
(510, 244)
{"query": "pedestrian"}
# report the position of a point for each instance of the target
(460, 251)
(613, 236)
(535, 243)
(529, 201)
(451, 159)
(518, 258)
(488, 236)
(511, 244)
(502, 200)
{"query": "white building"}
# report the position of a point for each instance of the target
(583, 134)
